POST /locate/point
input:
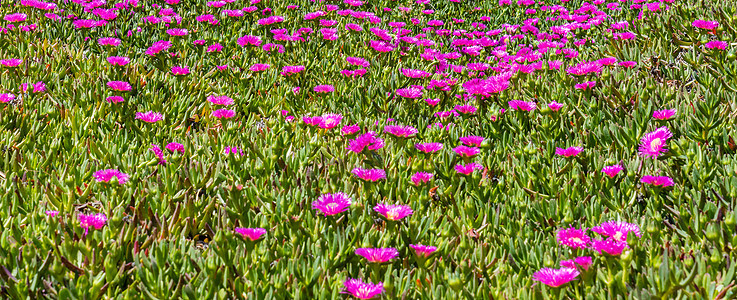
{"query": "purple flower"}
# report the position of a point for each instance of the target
(610, 246)
(177, 70)
(429, 147)
(259, 67)
(653, 144)
(175, 147)
(468, 168)
(423, 251)
(721, 45)
(586, 85)
(157, 47)
(574, 238)
(617, 230)
(465, 109)
(350, 129)
(326, 121)
(421, 177)
(378, 255)
(471, 140)
(611, 171)
(121, 86)
(411, 93)
(96, 221)
(412, 73)
(568, 152)
(362, 290)
(249, 40)
(522, 105)
(118, 60)
(393, 212)
(704, 24)
(664, 114)
(357, 61)
(177, 32)
(583, 261)
(368, 140)
(465, 151)
(108, 174)
(220, 100)
(369, 174)
(332, 204)
(250, 233)
(486, 87)
(555, 106)
(326, 88)
(289, 70)
(401, 131)
(17, 17)
(6, 97)
(149, 116)
(555, 277)
(223, 113)
(108, 41)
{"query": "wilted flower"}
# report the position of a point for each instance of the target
(611, 171)
(393, 212)
(96, 221)
(108, 174)
(149, 116)
(378, 255)
(568, 152)
(332, 204)
(617, 230)
(653, 144)
(250, 233)
(422, 250)
(362, 290)
(555, 277)
(421, 177)
(574, 238)
(583, 261)
(369, 174)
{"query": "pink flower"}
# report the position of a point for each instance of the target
(121, 86)
(429, 147)
(583, 261)
(617, 230)
(362, 290)
(610, 246)
(662, 181)
(586, 85)
(704, 24)
(369, 174)
(393, 212)
(628, 64)
(326, 88)
(653, 144)
(471, 140)
(421, 177)
(177, 70)
(250, 233)
(289, 70)
(401, 131)
(522, 105)
(149, 116)
(11, 63)
(108, 174)
(175, 147)
(432, 102)
(157, 47)
(574, 238)
(423, 251)
(96, 221)
(249, 40)
(220, 100)
(555, 106)
(14, 18)
(721, 45)
(368, 140)
(468, 168)
(177, 32)
(159, 154)
(259, 67)
(568, 152)
(350, 129)
(6, 97)
(555, 277)
(378, 255)
(223, 113)
(465, 151)
(118, 60)
(52, 213)
(465, 109)
(664, 114)
(611, 171)
(357, 61)
(411, 93)
(326, 121)
(332, 204)
(108, 41)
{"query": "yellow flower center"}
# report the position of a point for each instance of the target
(618, 236)
(392, 215)
(655, 144)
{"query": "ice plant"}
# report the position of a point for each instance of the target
(108, 174)
(664, 114)
(400, 131)
(661, 181)
(522, 105)
(568, 152)
(378, 255)
(555, 277)
(369, 174)
(149, 116)
(653, 144)
(423, 251)
(429, 147)
(175, 147)
(582, 261)
(608, 246)
(611, 171)
(617, 230)
(464, 151)
(96, 221)
(180, 70)
(368, 140)
(220, 100)
(121, 86)
(555, 106)
(471, 140)
(52, 213)
(223, 113)
(6, 97)
(362, 290)
(252, 234)
(159, 153)
(574, 238)
(421, 177)
(467, 169)
(393, 212)
(332, 204)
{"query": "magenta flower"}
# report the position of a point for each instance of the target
(357, 61)
(664, 114)
(325, 88)
(468, 168)
(401, 131)
(159, 154)
(555, 277)
(412, 73)
(362, 290)
(583, 261)
(471, 140)
(465, 109)
(108, 174)
(465, 151)
(369, 174)
(368, 140)
(250, 233)
(249, 40)
(653, 144)
(611, 171)
(628, 64)
(332, 204)
(432, 102)
(157, 47)
(429, 147)
(586, 85)
(721, 45)
(378, 255)
(223, 113)
(120, 86)
(568, 152)
(118, 60)
(704, 24)
(220, 100)
(411, 93)
(149, 116)
(175, 147)
(421, 177)
(52, 213)
(610, 246)
(6, 97)
(108, 41)
(289, 70)
(14, 18)
(617, 230)
(177, 32)
(522, 105)
(260, 67)
(574, 238)
(423, 251)
(96, 221)
(393, 212)
(177, 70)
(326, 121)
(350, 129)
(555, 106)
